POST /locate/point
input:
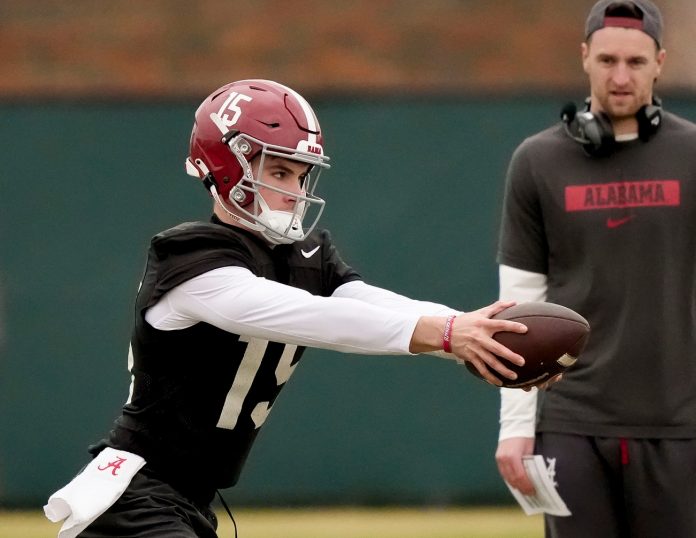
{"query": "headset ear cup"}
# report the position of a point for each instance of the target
(649, 120)
(599, 133)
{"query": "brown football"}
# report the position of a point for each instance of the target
(555, 337)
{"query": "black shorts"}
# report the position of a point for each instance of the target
(622, 488)
(150, 508)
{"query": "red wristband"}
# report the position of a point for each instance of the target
(447, 335)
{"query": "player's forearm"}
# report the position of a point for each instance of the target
(388, 299)
(426, 338)
(427, 335)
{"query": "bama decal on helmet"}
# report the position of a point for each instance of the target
(306, 147)
(222, 118)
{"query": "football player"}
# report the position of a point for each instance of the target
(224, 312)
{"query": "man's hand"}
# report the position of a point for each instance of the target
(472, 339)
(509, 460)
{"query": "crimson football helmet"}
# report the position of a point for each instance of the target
(257, 118)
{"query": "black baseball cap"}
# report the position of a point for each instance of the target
(649, 21)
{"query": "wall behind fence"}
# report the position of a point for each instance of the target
(183, 48)
(413, 199)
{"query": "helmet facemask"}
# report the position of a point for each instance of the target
(252, 210)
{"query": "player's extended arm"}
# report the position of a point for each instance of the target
(472, 332)
(235, 300)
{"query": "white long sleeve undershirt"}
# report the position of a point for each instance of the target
(357, 318)
(517, 407)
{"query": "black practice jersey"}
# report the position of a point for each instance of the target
(200, 394)
(616, 238)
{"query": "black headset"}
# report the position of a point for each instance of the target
(595, 133)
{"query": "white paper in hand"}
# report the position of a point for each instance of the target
(546, 499)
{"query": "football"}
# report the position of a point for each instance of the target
(555, 337)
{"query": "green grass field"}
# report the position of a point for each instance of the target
(336, 523)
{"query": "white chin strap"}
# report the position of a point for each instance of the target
(281, 227)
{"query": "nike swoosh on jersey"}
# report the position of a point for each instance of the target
(310, 253)
(615, 223)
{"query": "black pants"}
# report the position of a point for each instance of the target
(622, 488)
(150, 508)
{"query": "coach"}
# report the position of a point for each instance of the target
(598, 215)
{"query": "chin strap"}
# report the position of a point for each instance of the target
(277, 227)
(281, 227)
(234, 216)
(209, 183)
